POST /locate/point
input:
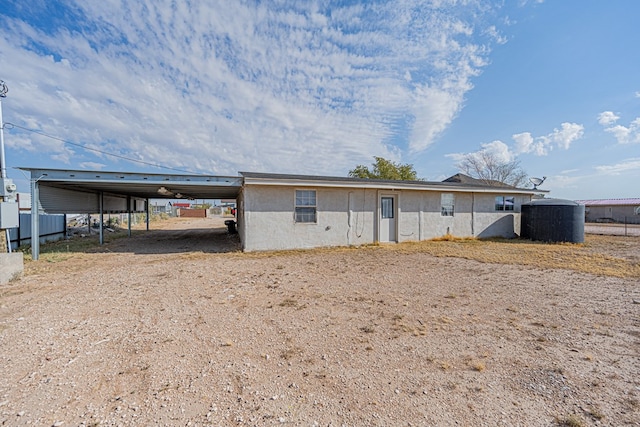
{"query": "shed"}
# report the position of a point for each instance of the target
(612, 210)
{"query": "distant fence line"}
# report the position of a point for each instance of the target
(627, 228)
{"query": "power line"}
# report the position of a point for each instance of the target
(13, 125)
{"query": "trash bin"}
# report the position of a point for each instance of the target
(231, 226)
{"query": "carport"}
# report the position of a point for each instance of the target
(73, 191)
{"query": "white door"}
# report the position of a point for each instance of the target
(388, 219)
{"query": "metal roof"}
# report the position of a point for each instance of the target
(55, 184)
(140, 185)
(610, 202)
(471, 185)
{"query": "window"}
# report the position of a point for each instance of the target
(446, 202)
(305, 209)
(504, 203)
(387, 207)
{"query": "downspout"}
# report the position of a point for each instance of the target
(349, 218)
(473, 212)
(420, 217)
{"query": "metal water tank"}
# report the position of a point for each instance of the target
(552, 220)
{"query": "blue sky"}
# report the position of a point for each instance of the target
(318, 87)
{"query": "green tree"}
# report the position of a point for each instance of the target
(385, 169)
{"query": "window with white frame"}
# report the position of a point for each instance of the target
(505, 203)
(305, 208)
(387, 207)
(447, 203)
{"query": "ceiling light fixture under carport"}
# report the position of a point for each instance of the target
(164, 191)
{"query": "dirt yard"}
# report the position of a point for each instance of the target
(176, 327)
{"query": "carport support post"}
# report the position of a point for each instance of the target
(101, 217)
(35, 220)
(129, 215)
(147, 209)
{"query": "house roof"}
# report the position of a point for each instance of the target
(450, 184)
(610, 202)
(466, 179)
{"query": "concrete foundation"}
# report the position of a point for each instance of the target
(11, 267)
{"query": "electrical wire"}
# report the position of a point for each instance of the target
(13, 125)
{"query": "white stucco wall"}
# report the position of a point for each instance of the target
(267, 222)
(347, 216)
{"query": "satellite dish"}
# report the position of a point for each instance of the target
(537, 181)
(637, 211)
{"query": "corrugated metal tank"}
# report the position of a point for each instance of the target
(552, 220)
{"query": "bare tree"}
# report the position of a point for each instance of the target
(487, 166)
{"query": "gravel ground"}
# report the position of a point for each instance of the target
(176, 327)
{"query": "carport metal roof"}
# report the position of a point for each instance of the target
(74, 191)
(139, 185)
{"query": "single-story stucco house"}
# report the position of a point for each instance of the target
(278, 211)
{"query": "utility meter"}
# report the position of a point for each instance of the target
(8, 188)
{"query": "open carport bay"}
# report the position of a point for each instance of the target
(178, 235)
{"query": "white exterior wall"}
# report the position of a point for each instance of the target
(347, 216)
(491, 223)
(420, 216)
(266, 220)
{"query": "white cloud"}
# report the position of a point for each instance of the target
(525, 143)
(568, 133)
(492, 31)
(92, 165)
(542, 145)
(225, 86)
(564, 181)
(623, 134)
(607, 117)
(632, 164)
(626, 135)
(499, 149)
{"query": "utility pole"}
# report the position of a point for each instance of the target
(11, 264)
(9, 212)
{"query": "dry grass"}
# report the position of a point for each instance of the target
(598, 255)
(570, 421)
(477, 366)
(589, 257)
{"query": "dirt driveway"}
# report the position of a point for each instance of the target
(166, 330)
